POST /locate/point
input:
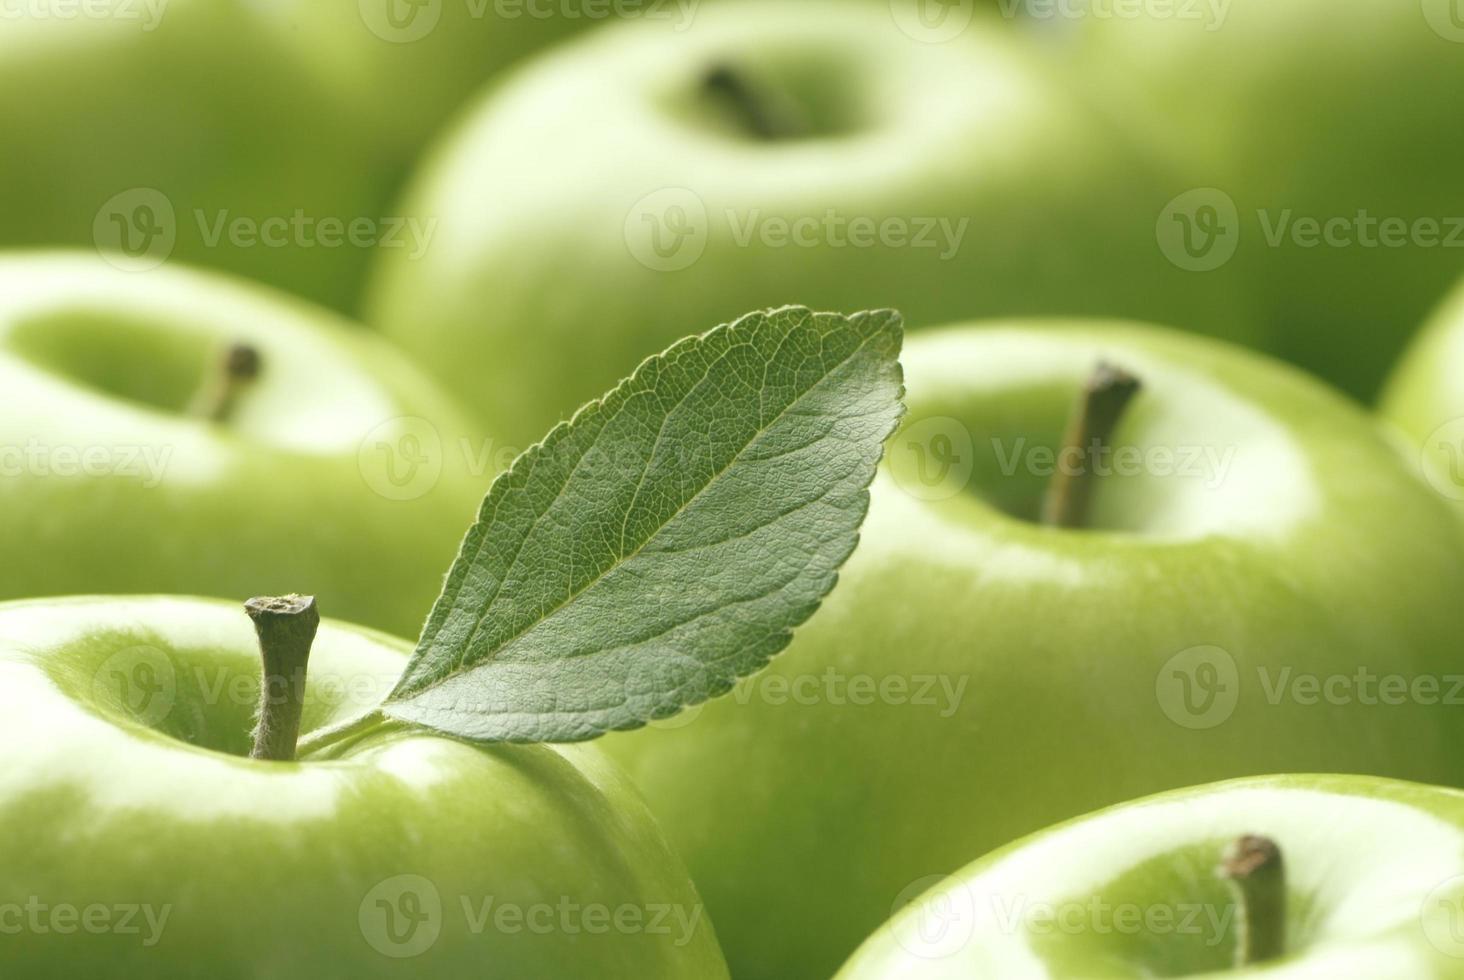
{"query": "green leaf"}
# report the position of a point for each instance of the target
(665, 541)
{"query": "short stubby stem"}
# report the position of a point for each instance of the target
(760, 114)
(237, 369)
(1090, 428)
(1252, 864)
(286, 628)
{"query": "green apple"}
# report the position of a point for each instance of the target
(1259, 586)
(770, 153)
(1370, 884)
(415, 61)
(139, 840)
(338, 465)
(1304, 120)
(189, 131)
(1424, 399)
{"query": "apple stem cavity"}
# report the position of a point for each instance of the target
(757, 112)
(1100, 406)
(286, 628)
(237, 369)
(1253, 866)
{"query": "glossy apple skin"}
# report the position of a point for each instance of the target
(1377, 888)
(210, 106)
(308, 487)
(274, 869)
(1309, 109)
(1424, 400)
(610, 141)
(1069, 649)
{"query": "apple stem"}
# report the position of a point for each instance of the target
(1101, 404)
(755, 109)
(286, 629)
(219, 396)
(1253, 866)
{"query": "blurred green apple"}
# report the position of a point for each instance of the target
(186, 130)
(606, 195)
(127, 464)
(140, 840)
(1260, 586)
(1371, 885)
(1305, 122)
(1424, 399)
(414, 62)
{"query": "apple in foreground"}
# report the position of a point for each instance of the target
(1303, 122)
(1298, 876)
(1424, 399)
(1257, 584)
(139, 839)
(769, 153)
(172, 431)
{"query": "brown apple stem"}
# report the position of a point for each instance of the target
(1090, 428)
(757, 110)
(219, 396)
(286, 629)
(1253, 866)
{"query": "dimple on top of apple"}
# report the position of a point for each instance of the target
(128, 467)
